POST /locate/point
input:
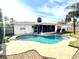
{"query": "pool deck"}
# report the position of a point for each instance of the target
(59, 51)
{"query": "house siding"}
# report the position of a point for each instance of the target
(18, 31)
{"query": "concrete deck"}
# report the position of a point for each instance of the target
(59, 51)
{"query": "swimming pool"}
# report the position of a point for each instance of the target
(43, 39)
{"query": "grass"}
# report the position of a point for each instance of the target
(76, 42)
(65, 32)
(72, 43)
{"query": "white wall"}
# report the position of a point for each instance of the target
(55, 28)
(70, 28)
(18, 31)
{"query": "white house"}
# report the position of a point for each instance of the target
(70, 26)
(27, 27)
(22, 28)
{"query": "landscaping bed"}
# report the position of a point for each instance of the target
(7, 38)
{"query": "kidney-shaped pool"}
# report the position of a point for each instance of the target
(42, 39)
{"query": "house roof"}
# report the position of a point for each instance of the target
(36, 23)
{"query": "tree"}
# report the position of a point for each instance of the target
(6, 18)
(74, 6)
(0, 14)
(67, 19)
(12, 23)
(1, 29)
(73, 14)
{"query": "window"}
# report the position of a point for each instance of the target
(22, 28)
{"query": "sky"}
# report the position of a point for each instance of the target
(30, 10)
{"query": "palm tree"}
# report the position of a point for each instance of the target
(12, 24)
(73, 14)
(67, 19)
(0, 14)
(74, 6)
(1, 27)
(1, 30)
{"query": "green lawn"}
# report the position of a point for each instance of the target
(65, 32)
(76, 42)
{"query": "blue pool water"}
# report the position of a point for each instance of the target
(42, 39)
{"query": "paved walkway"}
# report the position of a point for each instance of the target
(76, 55)
(31, 54)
